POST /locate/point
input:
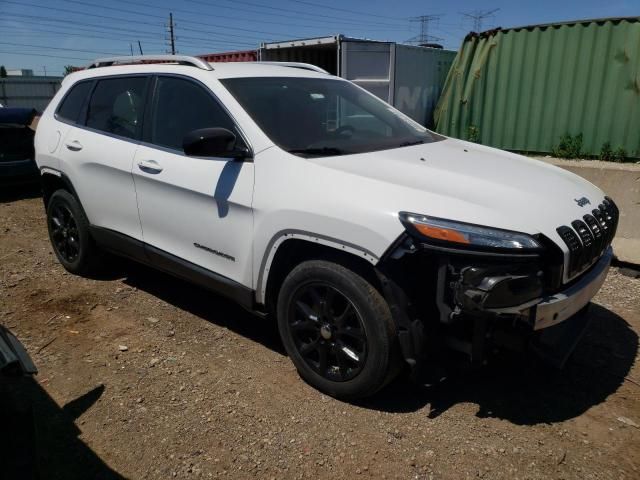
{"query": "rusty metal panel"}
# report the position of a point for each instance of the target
(523, 88)
(238, 56)
(28, 92)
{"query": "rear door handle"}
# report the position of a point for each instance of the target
(74, 146)
(149, 166)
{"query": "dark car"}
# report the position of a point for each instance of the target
(17, 156)
(17, 429)
(14, 360)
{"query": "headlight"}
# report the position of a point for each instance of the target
(461, 233)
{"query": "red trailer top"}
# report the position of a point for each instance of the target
(239, 56)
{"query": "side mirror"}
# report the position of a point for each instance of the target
(213, 142)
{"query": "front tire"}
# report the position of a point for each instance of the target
(69, 233)
(337, 330)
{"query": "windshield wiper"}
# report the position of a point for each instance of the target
(322, 151)
(408, 144)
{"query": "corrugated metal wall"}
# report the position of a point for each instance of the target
(30, 92)
(522, 89)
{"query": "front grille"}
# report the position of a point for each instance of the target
(589, 237)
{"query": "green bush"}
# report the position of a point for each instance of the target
(606, 153)
(620, 155)
(473, 134)
(569, 146)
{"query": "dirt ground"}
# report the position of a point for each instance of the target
(144, 376)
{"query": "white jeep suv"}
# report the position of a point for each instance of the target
(375, 242)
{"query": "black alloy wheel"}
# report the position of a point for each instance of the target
(328, 331)
(64, 232)
(69, 234)
(337, 329)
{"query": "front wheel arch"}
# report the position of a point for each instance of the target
(293, 251)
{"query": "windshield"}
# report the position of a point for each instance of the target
(324, 117)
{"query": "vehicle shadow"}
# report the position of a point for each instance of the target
(525, 392)
(511, 387)
(40, 440)
(12, 193)
(202, 303)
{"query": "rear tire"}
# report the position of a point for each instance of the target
(337, 330)
(69, 234)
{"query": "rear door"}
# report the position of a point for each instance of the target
(97, 153)
(195, 209)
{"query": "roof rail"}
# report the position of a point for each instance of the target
(303, 66)
(127, 60)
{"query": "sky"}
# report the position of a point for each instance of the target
(46, 35)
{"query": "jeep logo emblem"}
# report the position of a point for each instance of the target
(582, 201)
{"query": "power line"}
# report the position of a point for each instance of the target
(57, 48)
(46, 33)
(278, 9)
(137, 22)
(120, 19)
(147, 33)
(37, 20)
(261, 20)
(341, 9)
(32, 32)
(196, 42)
(43, 55)
(478, 16)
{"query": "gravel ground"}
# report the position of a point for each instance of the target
(144, 376)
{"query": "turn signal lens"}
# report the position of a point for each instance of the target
(451, 231)
(444, 234)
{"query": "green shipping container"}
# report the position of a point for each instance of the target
(523, 88)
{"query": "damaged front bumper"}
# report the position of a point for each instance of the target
(475, 301)
(544, 310)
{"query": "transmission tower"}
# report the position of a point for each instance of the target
(478, 17)
(424, 36)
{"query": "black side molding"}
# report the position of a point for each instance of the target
(119, 243)
(201, 276)
(126, 246)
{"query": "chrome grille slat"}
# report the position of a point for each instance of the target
(596, 231)
(589, 237)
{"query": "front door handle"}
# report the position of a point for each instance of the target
(149, 166)
(74, 146)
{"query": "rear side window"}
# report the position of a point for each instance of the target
(117, 105)
(182, 106)
(72, 103)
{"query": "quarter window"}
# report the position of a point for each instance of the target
(182, 106)
(74, 100)
(117, 105)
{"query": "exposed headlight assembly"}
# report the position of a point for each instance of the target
(448, 231)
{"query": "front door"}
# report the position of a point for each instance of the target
(196, 209)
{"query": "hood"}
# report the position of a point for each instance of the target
(472, 183)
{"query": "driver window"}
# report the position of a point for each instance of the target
(116, 106)
(182, 106)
